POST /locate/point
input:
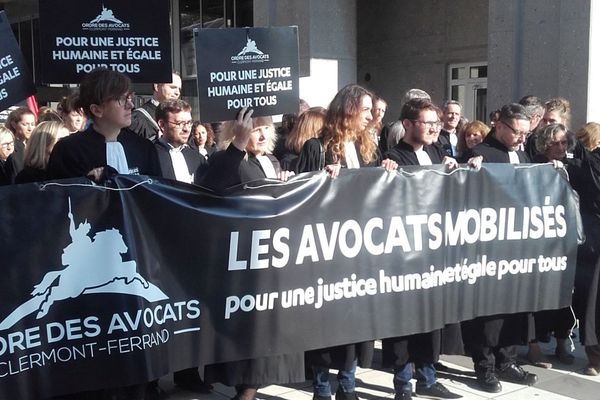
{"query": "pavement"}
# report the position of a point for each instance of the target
(559, 383)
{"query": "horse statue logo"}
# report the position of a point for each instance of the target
(250, 48)
(91, 266)
(106, 15)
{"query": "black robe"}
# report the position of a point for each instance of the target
(404, 154)
(77, 154)
(423, 347)
(504, 329)
(193, 160)
(229, 168)
(141, 125)
(586, 302)
(493, 151)
(313, 157)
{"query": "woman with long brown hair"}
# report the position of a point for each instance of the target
(345, 142)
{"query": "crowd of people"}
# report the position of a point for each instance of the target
(98, 133)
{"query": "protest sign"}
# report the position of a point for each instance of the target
(132, 37)
(246, 67)
(16, 82)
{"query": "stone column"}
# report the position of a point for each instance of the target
(544, 48)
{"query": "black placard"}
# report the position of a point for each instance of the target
(132, 37)
(247, 67)
(16, 82)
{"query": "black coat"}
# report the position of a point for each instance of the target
(141, 125)
(77, 154)
(192, 157)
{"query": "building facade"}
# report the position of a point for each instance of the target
(484, 53)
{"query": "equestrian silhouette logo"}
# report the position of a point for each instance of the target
(106, 16)
(91, 266)
(250, 53)
(250, 48)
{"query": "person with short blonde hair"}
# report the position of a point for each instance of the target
(42, 141)
(471, 135)
(589, 136)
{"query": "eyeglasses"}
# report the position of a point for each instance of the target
(123, 100)
(181, 124)
(7, 145)
(514, 131)
(429, 124)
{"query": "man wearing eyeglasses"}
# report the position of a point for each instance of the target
(177, 159)
(511, 130)
(419, 118)
(143, 119)
(493, 340)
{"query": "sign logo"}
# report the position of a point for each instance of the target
(249, 54)
(93, 265)
(105, 21)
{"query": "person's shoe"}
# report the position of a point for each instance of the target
(488, 382)
(536, 358)
(195, 384)
(564, 355)
(403, 396)
(515, 374)
(341, 395)
(591, 370)
(436, 391)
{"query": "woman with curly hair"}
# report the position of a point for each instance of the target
(345, 142)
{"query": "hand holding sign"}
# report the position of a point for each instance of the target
(241, 129)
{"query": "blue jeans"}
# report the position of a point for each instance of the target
(346, 379)
(425, 374)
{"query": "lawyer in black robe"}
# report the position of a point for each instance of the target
(493, 340)
(229, 168)
(79, 153)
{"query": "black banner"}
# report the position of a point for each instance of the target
(125, 283)
(132, 37)
(16, 82)
(246, 67)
